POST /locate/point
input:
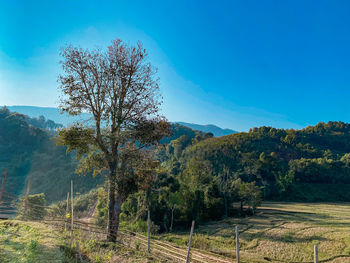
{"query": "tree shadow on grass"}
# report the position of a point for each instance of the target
(276, 218)
(317, 219)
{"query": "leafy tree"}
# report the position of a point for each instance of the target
(200, 192)
(250, 194)
(119, 89)
(174, 201)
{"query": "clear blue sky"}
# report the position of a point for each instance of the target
(236, 64)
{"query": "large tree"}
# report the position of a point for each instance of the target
(119, 88)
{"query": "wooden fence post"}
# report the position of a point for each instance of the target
(80, 257)
(149, 231)
(315, 254)
(67, 210)
(188, 258)
(72, 207)
(237, 244)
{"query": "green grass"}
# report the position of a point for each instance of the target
(279, 232)
(34, 242)
(30, 242)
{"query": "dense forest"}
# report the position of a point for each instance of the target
(199, 176)
(283, 162)
(202, 177)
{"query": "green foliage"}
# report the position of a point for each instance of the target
(142, 226)
(102, 207)
(277, 159)
(29, 153)
(250, 194)
(33, 208)
(200, 193)
(32, 250)
(42, 123)
(200, 177)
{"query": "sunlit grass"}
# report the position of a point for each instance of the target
(279, 232)
(29, 242)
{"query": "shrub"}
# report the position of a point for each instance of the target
(33, 208)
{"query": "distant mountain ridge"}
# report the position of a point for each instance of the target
(49, 113)
(55, 115)
(215, 130)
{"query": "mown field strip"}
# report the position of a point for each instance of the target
(196, 255)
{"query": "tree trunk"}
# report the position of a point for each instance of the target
(114, 205)
(172, 219)
(165, 222)
(114, 210)
(226, 205)
(111, 234)
(118, 209)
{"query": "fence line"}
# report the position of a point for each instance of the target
(159, 247)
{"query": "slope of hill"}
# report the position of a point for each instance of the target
(203, 172)
(29, 153)
(215, 130)
(289, 164)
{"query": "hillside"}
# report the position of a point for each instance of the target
(30, 153)
(202, 178)
(289, 164)
(202, 174)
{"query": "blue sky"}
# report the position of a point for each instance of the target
(236, 64)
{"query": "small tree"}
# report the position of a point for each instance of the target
(174, 200)
(119, 89)
(250, 194)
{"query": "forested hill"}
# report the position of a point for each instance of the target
(28, 151)
(311, 164)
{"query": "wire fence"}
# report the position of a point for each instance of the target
(56, 217)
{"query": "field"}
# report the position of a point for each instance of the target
(279, 232)
(30, 242)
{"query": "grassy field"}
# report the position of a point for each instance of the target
(34, 242)
(279, 232)
(30, 242)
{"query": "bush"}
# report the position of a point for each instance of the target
(102, 207)
(34, 208)
(141, 226)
